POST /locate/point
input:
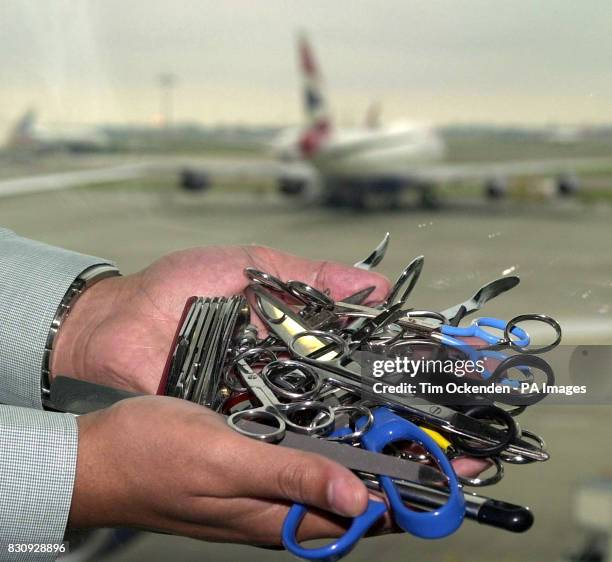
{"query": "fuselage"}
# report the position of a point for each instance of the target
(72, 137)
(372, 152)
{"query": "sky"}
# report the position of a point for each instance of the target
(437, 61)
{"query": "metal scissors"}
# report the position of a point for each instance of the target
(376, 256)
(442, 521)
(336, 367)
(321, 418)
(487, 292)
(509, 335)
(322, 311)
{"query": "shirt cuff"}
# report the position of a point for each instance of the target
(38, 455)
(34, 278)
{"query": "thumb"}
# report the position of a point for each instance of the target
(289, 474)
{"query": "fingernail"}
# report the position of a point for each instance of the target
(345, 498)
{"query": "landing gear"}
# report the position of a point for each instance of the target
(429, 197)
(567, 185)
(496, 188)
(193, 181)
(364, 195)
(291, 186)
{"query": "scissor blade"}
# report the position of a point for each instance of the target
(480, 298)
(376, 256)
(358, 459)
(360, 296)
(406, 281)
(282, 321)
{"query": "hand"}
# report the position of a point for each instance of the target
(165, 464)
(120, 331)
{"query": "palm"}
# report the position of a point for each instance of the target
(129, 349)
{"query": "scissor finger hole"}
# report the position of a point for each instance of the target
(276, 425)
(309, 295)
(491, 475)
(355, 413)
(291, 379)
(266, 280)
(528, 377)
(496, 416)
(543, 329)
(309, 417)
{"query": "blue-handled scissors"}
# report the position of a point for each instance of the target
(386, 429)
(449, 335)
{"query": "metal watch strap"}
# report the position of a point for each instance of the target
(85, 280)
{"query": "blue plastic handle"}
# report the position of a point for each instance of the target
(389, 427)
(477, 355)
(475, 330)
(340, 547)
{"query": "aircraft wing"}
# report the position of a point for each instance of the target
(234, 168)
(65, 180)
(244, 169)
(454, 172)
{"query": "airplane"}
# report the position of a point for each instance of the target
(374, 164)
(28, 136)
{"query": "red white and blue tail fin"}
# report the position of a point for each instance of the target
(315, 107)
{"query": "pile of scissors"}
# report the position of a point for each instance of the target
(306, 384)
(308, 376)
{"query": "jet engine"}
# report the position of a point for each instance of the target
(191, 180)
(496, 188)
(567, 185)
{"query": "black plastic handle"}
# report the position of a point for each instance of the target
(510, 517)
(81, 397)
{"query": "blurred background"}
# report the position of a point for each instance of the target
(477, 133)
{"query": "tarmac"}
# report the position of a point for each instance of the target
(560, 249)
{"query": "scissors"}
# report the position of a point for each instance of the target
(322, 417)
(376, 256)
(510, 335)
(441, 522)
(473, 436)
(483, 295)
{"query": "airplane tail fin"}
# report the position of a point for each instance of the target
(22, 132)
(315, 106)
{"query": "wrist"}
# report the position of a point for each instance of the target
(69, 355)
(98, 498)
